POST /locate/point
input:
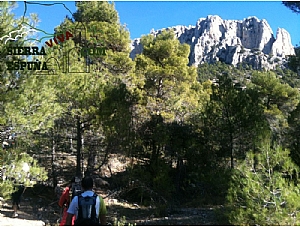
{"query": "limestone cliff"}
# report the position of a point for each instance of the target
(231, 41)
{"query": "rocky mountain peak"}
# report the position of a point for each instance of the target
(250, 40)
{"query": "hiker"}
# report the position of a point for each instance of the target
(64, 202)
(16, 198)
(19, 187)
(88, 208)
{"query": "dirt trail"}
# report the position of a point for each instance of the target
(7, 221)
(39, 212)
(39, 208)
(25, 218)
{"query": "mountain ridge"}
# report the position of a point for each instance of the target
(212, 39)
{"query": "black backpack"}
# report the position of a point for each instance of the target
(87, 211)
(75, 189)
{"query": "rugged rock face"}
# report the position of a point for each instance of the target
(231, 41)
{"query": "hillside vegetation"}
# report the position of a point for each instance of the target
(165, 136)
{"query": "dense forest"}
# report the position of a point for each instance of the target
(215, 134)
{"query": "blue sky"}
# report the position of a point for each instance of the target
(141, 16)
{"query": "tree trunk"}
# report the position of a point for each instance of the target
(231, 152)
(91, 161)
(179, 169)
(78, 148)
(54, 177)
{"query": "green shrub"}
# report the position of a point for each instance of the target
(259, 195)
(163, 183)
(22, 168)
(122, 222)
(161, 210)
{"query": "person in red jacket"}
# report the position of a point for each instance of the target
(64, 202)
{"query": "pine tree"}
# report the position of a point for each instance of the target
(294, 61)
(232, 117)
(170, 85)
(84, 92)
(168, 95)
(279, 100)
(263, 189)
(9, 79)
(21, 109)
(292, 5)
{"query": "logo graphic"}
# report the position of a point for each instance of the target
(60, 37)
(24, 31)
(54, 60)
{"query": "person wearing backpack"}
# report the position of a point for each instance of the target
(89, 208)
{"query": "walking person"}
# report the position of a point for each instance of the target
(64, 202)
(88, 208)
(16, 198)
